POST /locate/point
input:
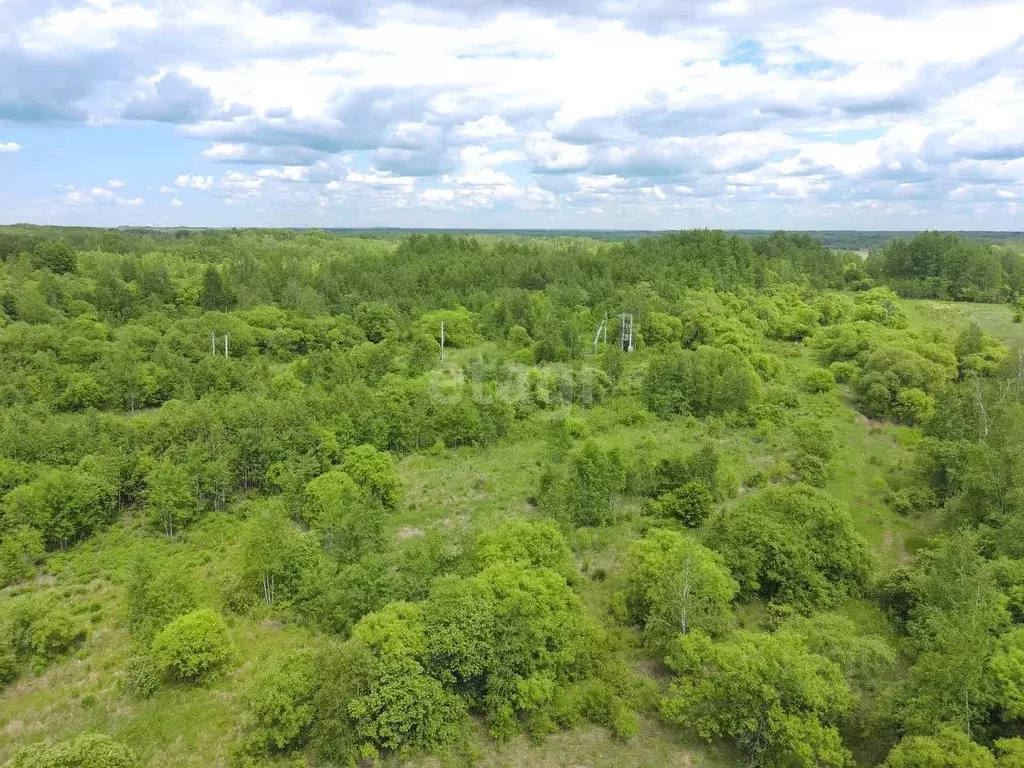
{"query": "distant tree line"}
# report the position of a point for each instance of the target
(938, 265)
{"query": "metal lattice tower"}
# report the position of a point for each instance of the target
(626, 332)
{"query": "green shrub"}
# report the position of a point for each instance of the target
(818, 380)
(581, 490)
(702, 382)
(843, 371)
(1010, 752)
(912, 406)
(8, 668)
(82, 392)
(537, 543)
(700, 466)
(815, 437)
(377, 320)
(376, 697)
(518, 338)
(63, 504)
(767, 366)
(54, 633)
(949, 748)
(777, 702)
(193, 646)
(811, 469)
(815, 446)
(349, 521)
(912, 500)
(374, 472)
(690, 504)
(624, 722)
(21, 550)
(458, 326)
(674, 586)
(155, 593)
(54, 255)
(793, 545)
(509, 638)
(140, 676)
(279, 704)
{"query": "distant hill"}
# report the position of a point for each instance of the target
(850, 240)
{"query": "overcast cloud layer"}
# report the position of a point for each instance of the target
(652, 114)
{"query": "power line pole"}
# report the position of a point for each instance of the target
(602, 326)
(213, 344)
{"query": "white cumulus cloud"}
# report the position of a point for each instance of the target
(877, 113)
(190, 181)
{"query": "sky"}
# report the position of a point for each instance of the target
(583, 114)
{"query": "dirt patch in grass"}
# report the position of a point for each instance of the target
(894, 544)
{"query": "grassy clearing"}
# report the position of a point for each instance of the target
(654, 747)
(867, 452)
(994, 319)
(179, 725)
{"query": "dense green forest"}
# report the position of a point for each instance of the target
(275, 497)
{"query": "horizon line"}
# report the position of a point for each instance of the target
(486, 230)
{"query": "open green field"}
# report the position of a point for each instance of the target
(994, 319)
